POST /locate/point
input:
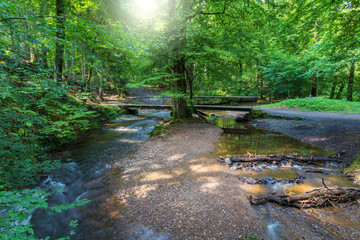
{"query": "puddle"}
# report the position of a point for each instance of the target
(245, 139)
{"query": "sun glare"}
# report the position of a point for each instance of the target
(146, 9)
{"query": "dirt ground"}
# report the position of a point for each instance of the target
(172, 186)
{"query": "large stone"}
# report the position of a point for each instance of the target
(228, 161)
(249, 181)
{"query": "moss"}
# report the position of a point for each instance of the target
(161, 129)
(355, 165)
(257, 114)
(253, 114)
(353, 172)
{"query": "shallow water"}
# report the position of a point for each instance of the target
(247, 139)
(88, 173)
(283, 222)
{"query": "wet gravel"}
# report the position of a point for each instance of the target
(172, 187)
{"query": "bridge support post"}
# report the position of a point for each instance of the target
(132, 111)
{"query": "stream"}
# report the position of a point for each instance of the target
(89, 172)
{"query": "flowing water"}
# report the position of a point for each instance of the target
(88, 173)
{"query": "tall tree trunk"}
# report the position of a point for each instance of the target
(342, 85)
(73, 64)
(23, 45)
(241, 69)
(180, 105)
(33, 54)
(89, 79)
(314, 78)
(84, 72)
(261, 83)
(314, 86)
(191, 78)
(67, 65)
(60, 38)
(332, 93)
(43, 57)
(101, 93)
(349, 93)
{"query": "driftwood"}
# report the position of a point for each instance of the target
(256, 159)
(323, 171)
(318, 197)
(202, 116)
(272, 180)
(287, 157)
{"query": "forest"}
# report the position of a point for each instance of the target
(57, 56)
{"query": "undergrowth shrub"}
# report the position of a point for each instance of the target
(37, 115)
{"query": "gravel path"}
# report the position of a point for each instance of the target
(171, 187)
(333, 131)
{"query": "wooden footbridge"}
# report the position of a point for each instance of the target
(228, 103)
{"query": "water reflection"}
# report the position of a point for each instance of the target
(280, 222)
(242, 138)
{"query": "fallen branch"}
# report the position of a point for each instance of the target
(318, 197)
(201, 116)
(287, 157)
(255, 159)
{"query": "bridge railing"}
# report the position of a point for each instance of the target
(198, 100)
(148, 100)
(228, 100)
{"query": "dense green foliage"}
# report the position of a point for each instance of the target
(57, 55)
(39, 113)
(318, 105)
(273, 49)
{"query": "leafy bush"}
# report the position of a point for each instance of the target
(37, 115)
(318, 105)
(18, 207)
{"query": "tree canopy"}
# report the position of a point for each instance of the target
(56, 55)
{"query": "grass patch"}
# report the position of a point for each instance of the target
(355, 165)
(162, 128)
(318, 105)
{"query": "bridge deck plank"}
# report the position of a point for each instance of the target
(211, 107)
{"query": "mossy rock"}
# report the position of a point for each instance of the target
(161, 129)
(253, 114)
